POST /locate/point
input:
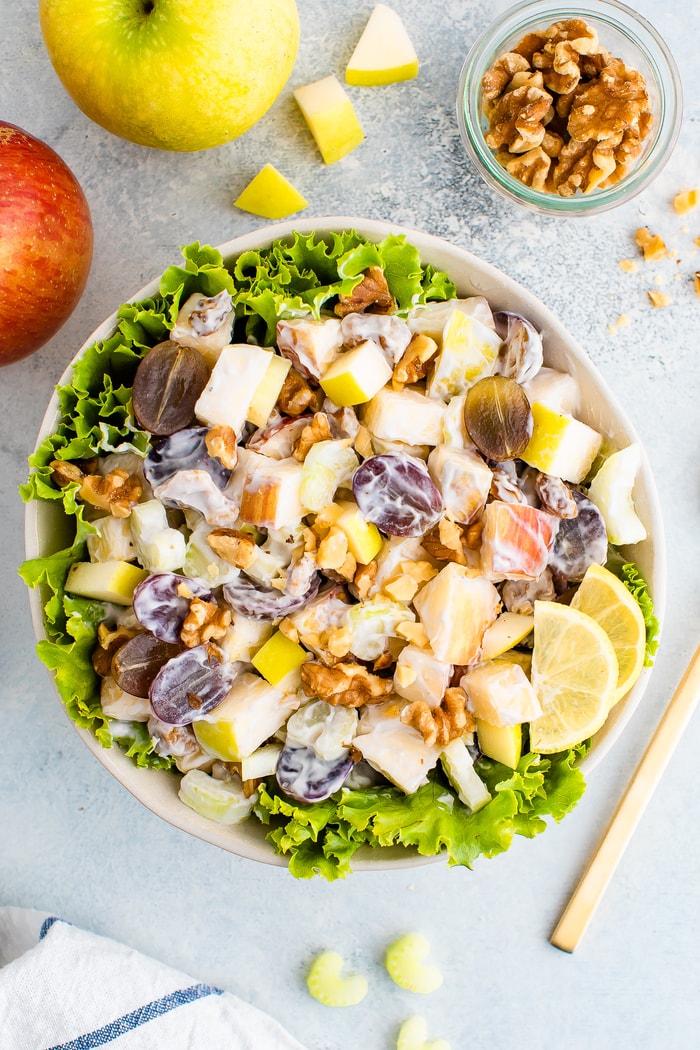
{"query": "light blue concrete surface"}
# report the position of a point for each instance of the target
(76, 844)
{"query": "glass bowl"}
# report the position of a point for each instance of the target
(622, 32)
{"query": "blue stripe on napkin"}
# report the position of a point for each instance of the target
(144, 1014)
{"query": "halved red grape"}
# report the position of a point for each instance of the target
(520, 355)
(190, 685)
(397, 494)
(161, 608)
(167, 385)
(305, 777)
(498, 417)
(138, 661)
(579, 541)
(184, 450)
(265, 603)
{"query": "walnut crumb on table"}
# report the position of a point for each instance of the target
(658, 299)
(685, 201)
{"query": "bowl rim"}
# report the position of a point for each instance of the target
(520, 18)
(482, 276)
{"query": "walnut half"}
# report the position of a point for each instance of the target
(347, 684)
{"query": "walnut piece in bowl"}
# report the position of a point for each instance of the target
(569, 109)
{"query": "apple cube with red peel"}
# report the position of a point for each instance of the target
(516, 541)
(419, 675)
(500, 693)
(463, 479)
(455, 609)
(271, 494)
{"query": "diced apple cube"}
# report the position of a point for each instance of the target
(311, 345)
(268, 390)
(468, 353)
(405, 415)
(330, 117)
(516, 540)
(509, 629)
(419, 675)
(278, 657)
(112, 541)
(463, 478)
(557, 390)
(356, 375)
(251, 713)
(262, 763)
(455, 609)
(270, 195)
(271, 494)
(328, 465)
(431, 318)
(501, 743)
(364, 538)
(499, 693)
(234, 379)
(560, 445)
(105, 581)
(244, 637)
(223, 801)
(396, 750)
(459, 767)
(454, 428)
(384, 53)
(158, 547)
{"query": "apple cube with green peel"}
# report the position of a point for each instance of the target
(201, 563)
(384, 53)
(509, 629)
(262, 763)
(244, 637)
(611, 491)
(270, 195)
(500, 693)
(112, 541)
(234, 380)
(405, 415)
(459, 768)
(557, 390)
(356, 376)
(501, 743)
(467, 354)
(364, 538)
(268, 390)
(105, 581)
(219, 800)
(560, 445)
(252, 712)
(328, 465)
(158, 547)
(331, 118)
(278, 657)
(473, 604)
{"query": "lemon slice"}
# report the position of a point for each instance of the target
(605, 598)
(574, 673)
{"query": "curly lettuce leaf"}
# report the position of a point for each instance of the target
(636, 584)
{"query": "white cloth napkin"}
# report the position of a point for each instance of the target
(62, 988)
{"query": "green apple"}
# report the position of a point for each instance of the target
(508, 630)
(168, 74)
(331, 118)
(357, 375)
(501, 743)
(364, 539)
(268, 389)
(270, 195)
(278, 657)
(384, 52)
(560, 445)
(105, 581)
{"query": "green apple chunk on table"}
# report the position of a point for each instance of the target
(172, 75)
(384, 53)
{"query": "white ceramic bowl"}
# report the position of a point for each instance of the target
(46, 527)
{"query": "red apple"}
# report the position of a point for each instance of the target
(45, 243)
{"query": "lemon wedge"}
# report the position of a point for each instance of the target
(605, 598)
(574, 674)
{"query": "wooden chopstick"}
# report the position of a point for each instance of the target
(600, 868)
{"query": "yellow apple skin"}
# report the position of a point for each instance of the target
(384, 53)
(172, 75)
(330, 117)
(270, 195)
(105, 581)
(278, 657)
(501, 743)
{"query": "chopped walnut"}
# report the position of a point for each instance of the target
(659, 299)
(444, 542)
(517, 119)
(350, 685)
(372, 293)
(297, 397)
(696, 280)
(317, 430)
(611, 103)
(414, 633)
(364, 578)
(65, 473)
(530, 168)
(555, 496)
(652, 246)
(235, 547)
(332, 550)
(519, 596)
(505, 488)
(205, 622)
(116, 492)
(440, 725)
(363, 443)
(628, 265)
(221, 444)
(415, 363)
(501, 73)
(685, 201)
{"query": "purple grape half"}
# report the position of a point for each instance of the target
(305, 777)
(160, 609)
(265, 603)
(190, 685)
(183, 450)
(397, 494)
(579, 541)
